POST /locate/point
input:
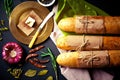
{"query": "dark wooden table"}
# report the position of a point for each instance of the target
(110, 6)
(8, 37)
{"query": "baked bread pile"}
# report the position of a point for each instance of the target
(94, 42)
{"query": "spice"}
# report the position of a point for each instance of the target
(35, 49)
(2, 22)
(46, 1)
(40, 61)
(35, 61)
(43, 72)
(2, 28)
(54, 63)
(38, 65)
(0, 36)
(30, 73)
(16, 72)
(31, 56)
(49, 78)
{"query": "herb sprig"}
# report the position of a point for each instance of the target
(54, 63)
(8, 6)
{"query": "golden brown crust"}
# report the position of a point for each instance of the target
(112, 25)
(111, 42)
(107, 42)
(76, 42)
(68, 59)
(82, 59)
(67, 24)
(62, 43)
(114, 57)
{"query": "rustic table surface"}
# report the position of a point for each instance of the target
(109, 6)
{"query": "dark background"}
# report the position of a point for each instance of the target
(112, 7)
(109, 6)
(7, 37)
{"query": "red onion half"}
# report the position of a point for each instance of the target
(12, 52)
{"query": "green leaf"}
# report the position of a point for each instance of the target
(44, 54)
(70, 8)
(53, 59)
(8, 7)
(77, 8)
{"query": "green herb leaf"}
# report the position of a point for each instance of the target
(8, 6)
(53, 59)
(44, 54)
(70, 8)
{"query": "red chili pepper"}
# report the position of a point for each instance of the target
(41, 61)
(35, 49)
(31, 55)
(36, 64)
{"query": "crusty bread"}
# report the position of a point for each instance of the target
(84, 59)
(111, 25)
(111, 42)
(114, 57)
(62, 43)
(74, 42)
(67, 24)
(68, 59)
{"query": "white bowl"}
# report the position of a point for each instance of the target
(47, 4)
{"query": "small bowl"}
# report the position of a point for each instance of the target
(46, 3)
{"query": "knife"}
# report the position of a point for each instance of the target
(40, 28)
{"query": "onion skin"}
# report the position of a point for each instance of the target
(12, 52)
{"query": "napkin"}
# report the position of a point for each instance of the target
(101, 75)
(75, 74)
(83, 74)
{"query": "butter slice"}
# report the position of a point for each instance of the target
(34, 20)
(30, 21)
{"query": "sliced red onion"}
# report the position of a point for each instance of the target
(12, 52)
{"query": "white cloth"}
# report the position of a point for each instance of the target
(101, 75)
(75, 74)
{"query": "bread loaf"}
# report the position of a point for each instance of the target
(90, 59)
(91, 24)
(76, 42)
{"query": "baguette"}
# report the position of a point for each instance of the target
(89, 59)
(76, 42)
(91, 24)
